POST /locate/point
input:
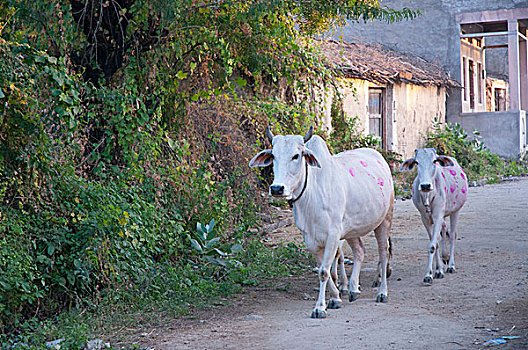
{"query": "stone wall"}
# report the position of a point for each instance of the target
(503, 133)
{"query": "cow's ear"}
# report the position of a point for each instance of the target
(262, 159)
(444, 161)
(310, 158)
(408, 165)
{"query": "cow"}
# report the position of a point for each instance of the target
(439, 190)
(334, 197)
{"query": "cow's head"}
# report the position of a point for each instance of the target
(426, 159)
(288, 156)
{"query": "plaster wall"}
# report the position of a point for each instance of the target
(503, 133)
(355, 101)
(413, 110)
(409, 111)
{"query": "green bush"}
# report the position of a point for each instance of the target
(472, 155)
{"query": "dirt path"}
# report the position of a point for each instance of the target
(461, 311)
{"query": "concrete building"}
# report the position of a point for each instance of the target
(483, 45)
(396, 96)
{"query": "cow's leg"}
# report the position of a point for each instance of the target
(338, 272)
(328, 257)
(382, 233)
(359, 253)
(343, 287)
(445, 236)
(452, 238)
(439, 272)
(432, 250)
(428, 224)
(333, 269)
(377, 279)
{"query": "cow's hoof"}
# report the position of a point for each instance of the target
(343, 292)
(450, 270)
(353, 296)
(438, 275)
(428, 280)
(317, 313)
(334, 303)
(382, 298)
(376, 284)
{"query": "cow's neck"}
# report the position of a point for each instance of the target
(296, 197)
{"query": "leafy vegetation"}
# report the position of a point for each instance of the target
(477, 161)
(124, 125)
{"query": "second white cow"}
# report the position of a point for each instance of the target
(439, 191)
(334, 197)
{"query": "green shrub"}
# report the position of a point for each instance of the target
(472, 155)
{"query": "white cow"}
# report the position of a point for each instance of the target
(344, 196)
(439, 191)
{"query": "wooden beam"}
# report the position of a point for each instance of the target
(483, 35)
(495, 46)
(492, 16)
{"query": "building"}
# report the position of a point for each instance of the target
(396, 96)
(483, 45)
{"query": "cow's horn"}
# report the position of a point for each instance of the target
(308, 135)
(269, 134)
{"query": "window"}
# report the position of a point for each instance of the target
(500, 99)
(471, 84)
(464, 82)
(375, 109)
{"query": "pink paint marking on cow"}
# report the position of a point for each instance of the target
(462, 175)
(452, 172)
(352, 172)
(463, 190)
(445, 189)
(380, 181)
(452, 188)
(443, 175)
(363, 163)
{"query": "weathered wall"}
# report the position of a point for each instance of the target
(409, 113)
(503, 133)
(357, 105)
(414, 108)
(434, 35)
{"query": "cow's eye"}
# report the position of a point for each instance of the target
(295, 157)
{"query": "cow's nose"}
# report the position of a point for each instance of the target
(277, 190)
(425, 187)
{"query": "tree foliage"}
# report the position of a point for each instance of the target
(124, 123)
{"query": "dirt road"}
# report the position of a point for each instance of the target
(486, 298)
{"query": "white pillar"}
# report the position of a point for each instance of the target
(523, 70)
(513, 65)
